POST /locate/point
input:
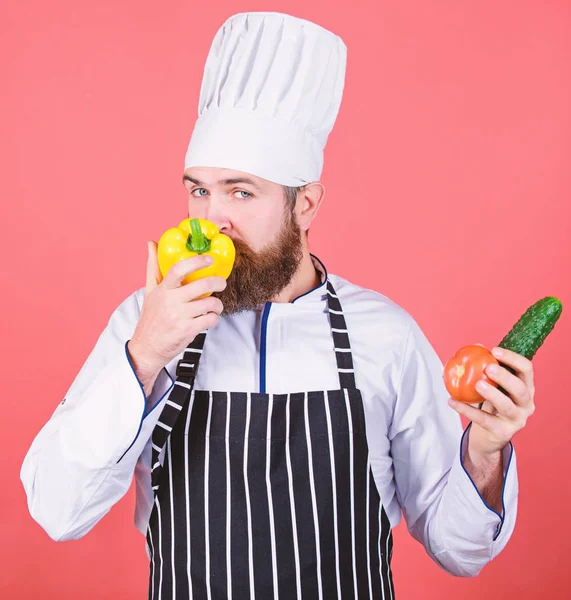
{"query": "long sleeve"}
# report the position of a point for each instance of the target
(442, 507)
(83, 459)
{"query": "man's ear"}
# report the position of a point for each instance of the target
(308, 202)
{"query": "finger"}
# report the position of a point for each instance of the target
(207, 321)
(505, 406)
(180, 270)
(154, 276)
(197, 308)
(520, 364)
(516, 388)
(489, 407)
(200, 287)
(480, 417)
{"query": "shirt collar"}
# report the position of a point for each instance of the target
(318, 293)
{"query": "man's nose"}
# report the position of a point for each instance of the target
(213, 211)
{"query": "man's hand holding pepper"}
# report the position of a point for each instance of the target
(172, 315)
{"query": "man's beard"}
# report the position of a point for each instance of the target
(258, 277)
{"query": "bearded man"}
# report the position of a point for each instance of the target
(277, 427)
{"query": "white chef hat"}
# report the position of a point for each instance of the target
(270, 94)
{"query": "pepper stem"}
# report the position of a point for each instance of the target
(197, 241)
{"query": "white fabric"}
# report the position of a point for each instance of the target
(270, 94)
(72, 476)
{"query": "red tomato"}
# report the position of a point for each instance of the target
(464, 370)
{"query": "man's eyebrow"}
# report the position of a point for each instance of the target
(229, 181)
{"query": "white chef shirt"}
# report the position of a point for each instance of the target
(83, 459)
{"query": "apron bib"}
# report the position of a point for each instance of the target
(267, 495)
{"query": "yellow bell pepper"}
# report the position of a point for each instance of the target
(192, 237)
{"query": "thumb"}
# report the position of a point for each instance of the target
(154, 276)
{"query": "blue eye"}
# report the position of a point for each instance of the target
(249, 194)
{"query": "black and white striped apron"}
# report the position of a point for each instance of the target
(267, 495)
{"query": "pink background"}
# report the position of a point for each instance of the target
(449, 164)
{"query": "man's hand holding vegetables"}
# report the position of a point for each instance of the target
(173, 314)
(496, 423)
(502, 382)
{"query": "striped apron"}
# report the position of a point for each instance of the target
(266, 495)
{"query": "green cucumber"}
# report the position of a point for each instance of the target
(529, 333)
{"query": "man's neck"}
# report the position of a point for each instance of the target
(305, 279)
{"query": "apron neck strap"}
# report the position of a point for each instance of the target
(340, 339)
(185, 374)
(187, 365)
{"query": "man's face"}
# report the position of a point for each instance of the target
(253, 212)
